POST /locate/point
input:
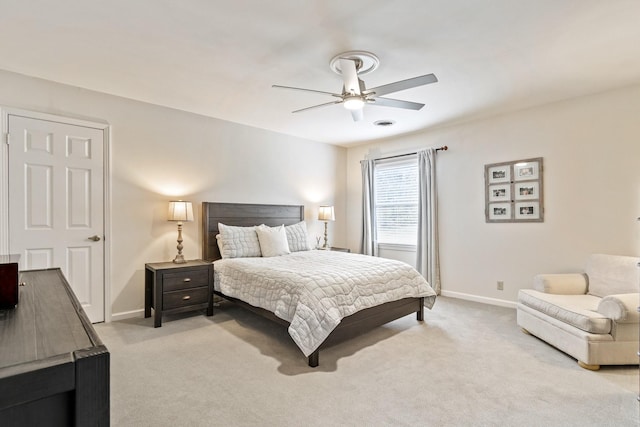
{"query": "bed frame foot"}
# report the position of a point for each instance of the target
(420, 313)
(314, 359)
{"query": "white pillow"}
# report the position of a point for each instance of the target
(238, 242)
(273, 240)
(219, 242)
(297, 237)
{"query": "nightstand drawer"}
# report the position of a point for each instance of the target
(185, 279)
(184, 298)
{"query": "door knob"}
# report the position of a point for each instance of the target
(95, 238)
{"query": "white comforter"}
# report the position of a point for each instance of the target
(315, 290)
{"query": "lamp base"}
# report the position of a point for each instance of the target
(179, 259)
(326, 241)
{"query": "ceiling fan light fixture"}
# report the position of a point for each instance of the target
(366, 61)
(350, 66)
(353, 103)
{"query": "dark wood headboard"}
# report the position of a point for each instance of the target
(244, 215)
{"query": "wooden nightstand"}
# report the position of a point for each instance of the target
(175, 288)
(340, 249)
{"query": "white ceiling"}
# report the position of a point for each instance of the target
(219, 58)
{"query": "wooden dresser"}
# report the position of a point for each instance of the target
(54, 370)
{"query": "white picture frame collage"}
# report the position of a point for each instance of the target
(513, 191)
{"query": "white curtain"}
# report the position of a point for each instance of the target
(369, 245)
(428, 262)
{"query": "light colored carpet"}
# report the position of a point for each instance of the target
(468, 364)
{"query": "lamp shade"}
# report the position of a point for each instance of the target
(326, 213)
(180, 211)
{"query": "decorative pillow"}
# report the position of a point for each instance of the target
(297, 237)
(238, 242)
(273, 240)
(219, 242)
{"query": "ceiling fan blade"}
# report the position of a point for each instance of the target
(306, 90)
(350, 76)
(357, 115)
(402, 85)
(396, 103)
(317, 106)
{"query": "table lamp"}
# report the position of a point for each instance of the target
(180, 211)
(326, 214)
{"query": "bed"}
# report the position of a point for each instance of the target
(256, 271)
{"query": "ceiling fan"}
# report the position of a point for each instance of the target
(354, 95)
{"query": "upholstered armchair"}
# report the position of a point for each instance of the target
(592, 316)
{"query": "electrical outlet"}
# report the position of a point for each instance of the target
(500, 285)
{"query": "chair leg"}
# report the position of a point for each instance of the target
(587, 366)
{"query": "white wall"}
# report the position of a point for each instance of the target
(592, 182)
(591, 151)
(159, 154)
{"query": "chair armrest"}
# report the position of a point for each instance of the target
(563, 284)
(623, 308)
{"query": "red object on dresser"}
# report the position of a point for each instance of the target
(9, 281)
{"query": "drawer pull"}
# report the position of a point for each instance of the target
(186, 297)
(187, 279)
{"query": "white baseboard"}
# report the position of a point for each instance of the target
(484, 300)
(127, 315)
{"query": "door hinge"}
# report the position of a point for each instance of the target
(7, 138)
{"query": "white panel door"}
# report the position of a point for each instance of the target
(56, 214)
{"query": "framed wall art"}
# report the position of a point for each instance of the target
(513, 191)
(499, 211)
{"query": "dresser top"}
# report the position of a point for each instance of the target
(46, 326)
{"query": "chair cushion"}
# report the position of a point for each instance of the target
(579, 311)
(612, 274)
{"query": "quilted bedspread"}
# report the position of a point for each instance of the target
(315, 290)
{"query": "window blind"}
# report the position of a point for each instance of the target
(396, 201)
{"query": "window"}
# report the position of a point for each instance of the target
(396, 201)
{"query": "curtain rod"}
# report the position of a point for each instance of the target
(443, 148)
